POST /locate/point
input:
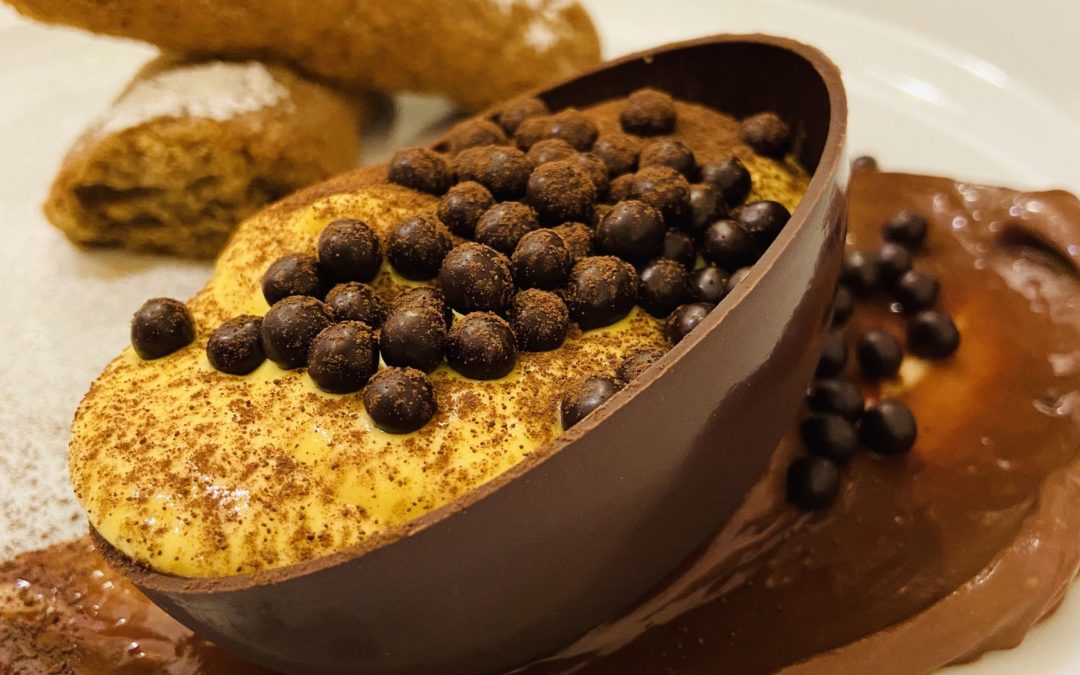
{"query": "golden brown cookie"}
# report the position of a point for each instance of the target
(192, 148)
(474, 51)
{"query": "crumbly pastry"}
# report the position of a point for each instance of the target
(190, 149)
(475, 52)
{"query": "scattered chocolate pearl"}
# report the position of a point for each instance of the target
(501, 169)
(399, 400)
(893, 261)
(476, 278)
(417, 245)
(503, 225)
(578, 238)
(916, 291)
(235, 347)
(767, 134)
(932, 335)
(861, 273)
(293, 274)
(593, 167)
(730, 177)
(636, 363)
(864, 163)
(907, 228)
(710, 284)
(354, 301)
(462, 206)
(289, 327)
(541, 260)
(830, 436)
(550, 150)
(532, 130)
(843, 306)
(472, 133)
(574, 127)
(420, 169)
(879, 355)
(685, 319)
(648, 112)
(511, 115)
(619, 153)
(665, 284)
(349, 250)
(540, 320)
(482, 346)
(888, 428)
(834, 355)
(666, 190)
(425, 296)
(343, 357)
(160, 327)
(585, 397)
(621, 188)
(706, 207)
(672, 153)
(812, 483)
(737, 277)
(414, 337)
(679, 246)
(835, 395)
(631, 230)
(560, 191)
(764, 219)
(601, 290)
(728, 245)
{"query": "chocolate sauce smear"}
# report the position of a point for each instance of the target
(935, 557)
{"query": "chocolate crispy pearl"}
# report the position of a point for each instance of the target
(843, 306)
(482, 346)
(160, 327)
(834, 355)
(501, 169)
(861, 273)
(601, 291)
(932, 335)
(893, 261)
(343, 356)
(665, 284)
(666, 190)
(767, 134)
(706, 207)
(619, 153)
(541, 260)
(354, 301)
(864, 163)
(399, 400)
(462, 206)
(685, 319)
(830, 436)
(235, 347)
(812, 483)
(417, 245)
(763, 219)
(420, 169)
(540, 320)
(476, 278)
(679, 246)
(730, 177)
(550, 150)
(293, 274)
(888, 428)
(425, 296)
(349, 250)
(503, 225)
(907, 228)
(916, 291)
(737, 277)
(637, 363)
(414, 337)
(729, 246)
(578, 238)
(709, 284)
(560, 191)
(593, 167)
(511, 115)
(631, 230)
(532, 130)
(289, 327)
(648, 112)
(879, 355)
(585, 397)
(621, 188)
(672, 153)
(574, 127)
(472, 133)
(838, 395)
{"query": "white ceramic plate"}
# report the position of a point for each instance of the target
(983, 90)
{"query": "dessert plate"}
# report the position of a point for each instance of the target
(993, 109)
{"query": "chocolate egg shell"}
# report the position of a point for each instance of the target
(529, 573)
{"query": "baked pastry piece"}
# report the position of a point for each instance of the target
(191, 148)
(475, 52)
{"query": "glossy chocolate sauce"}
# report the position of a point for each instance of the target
(958, 548)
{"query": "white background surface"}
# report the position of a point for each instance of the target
(984, 90)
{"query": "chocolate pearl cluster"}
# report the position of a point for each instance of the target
(838, 420)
